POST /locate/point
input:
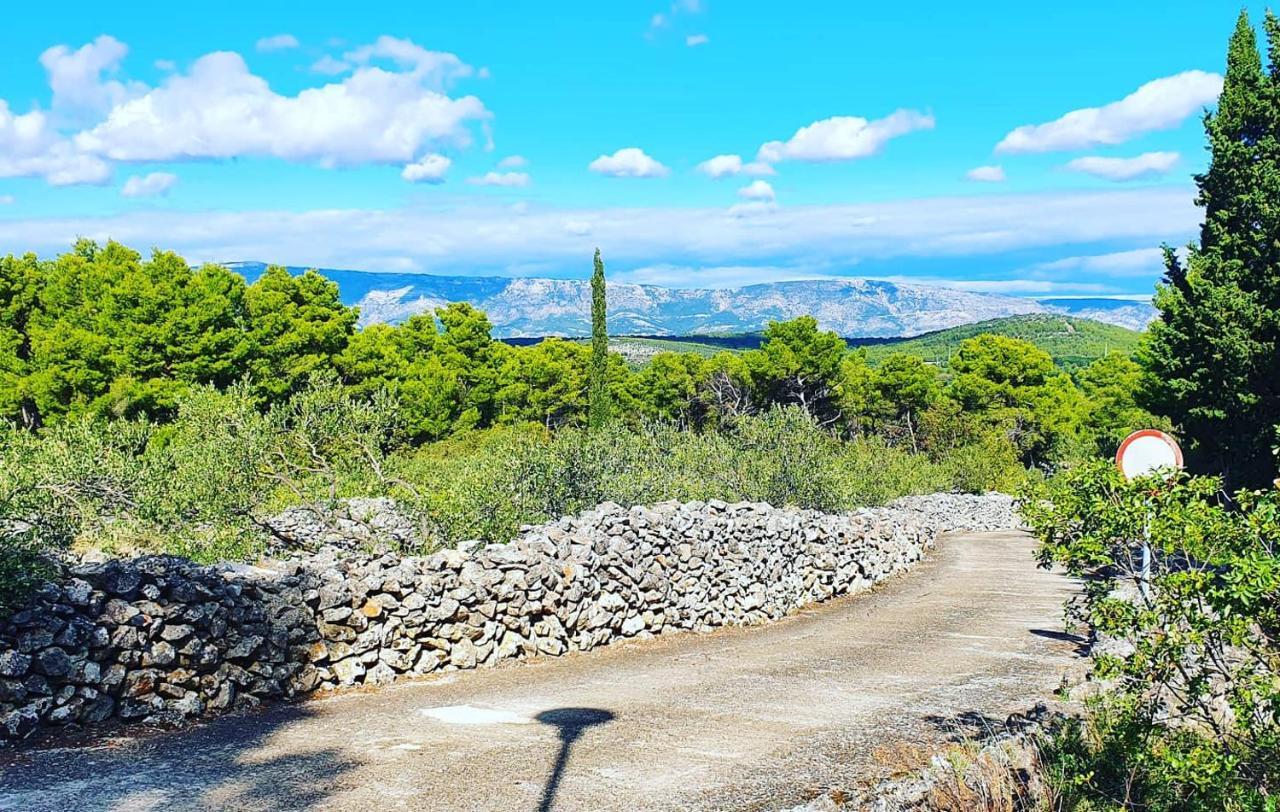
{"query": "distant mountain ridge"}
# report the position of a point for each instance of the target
(529, 307)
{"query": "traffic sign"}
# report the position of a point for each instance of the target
(1147, 451)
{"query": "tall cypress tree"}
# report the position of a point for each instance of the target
(598, 393)
(1213, 357)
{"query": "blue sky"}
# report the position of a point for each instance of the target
(1028, 149)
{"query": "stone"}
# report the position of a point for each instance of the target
(19, 723)
(349, 671)
(14, 663)
(160, 653)
(52, 662)
(463, 654)
(121, 579)
(176, 632)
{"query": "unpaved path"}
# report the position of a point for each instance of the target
(756, 718)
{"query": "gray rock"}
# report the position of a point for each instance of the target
(14, 663)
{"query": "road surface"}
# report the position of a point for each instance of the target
(753, 718)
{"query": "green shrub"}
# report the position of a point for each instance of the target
(487, 484)
(1191, 716)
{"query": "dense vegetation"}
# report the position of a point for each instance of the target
(1191, 654)
(1214, 355)
(1183, 576)
(1070, 341)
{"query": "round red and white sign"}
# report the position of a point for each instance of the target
(1147, 451)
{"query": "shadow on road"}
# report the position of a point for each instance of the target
(1081, 643)
(226, 764)
(570, 724)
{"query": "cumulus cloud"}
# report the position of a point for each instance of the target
(694, 40)
(1160, 104)
(578, 228)
(843, 138)
(279, 42)
(151, 185)
(757, 190)
(31, 147)
(76, 76)
(986, 174)
(221, 110)
(727, 165)
(629, 162)
(7, 200)
(428, 169)
(1146, 165)
(501, 179)
(513, 162)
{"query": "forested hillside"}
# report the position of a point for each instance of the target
(1071, 342)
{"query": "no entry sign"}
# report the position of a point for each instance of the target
(1147, 451)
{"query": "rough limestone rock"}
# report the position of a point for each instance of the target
(161, 640)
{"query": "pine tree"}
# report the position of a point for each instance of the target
(1213, 357)
(598, 394)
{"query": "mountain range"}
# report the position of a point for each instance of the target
(530, 307)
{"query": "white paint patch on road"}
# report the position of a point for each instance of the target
(471, 715)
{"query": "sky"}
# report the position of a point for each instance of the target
(1025, 149)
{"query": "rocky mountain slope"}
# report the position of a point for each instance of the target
(520, 307)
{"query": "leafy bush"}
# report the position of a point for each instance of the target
(1191, 720)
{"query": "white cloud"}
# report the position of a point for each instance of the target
(757, 190)
(1160, 104)
(629, 162)
(752, 209)
(221, 110)
(280, 42)
(31, 147)
(727, 165)
(513, 162)
(1146, 165)
(843, 138)
(501, 179)
(986, 174)
(165, 65)
(429, 169)
(437, 68)
(151, 185)
(328, 66)
(578, 228)
(476, 238)
(7, 200)
(1138, 262)
(76, 76)
(694, 40)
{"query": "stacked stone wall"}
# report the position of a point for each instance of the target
(160, 640)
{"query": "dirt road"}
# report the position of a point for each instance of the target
(757, 718)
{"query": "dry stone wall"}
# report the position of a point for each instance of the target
(160, 640)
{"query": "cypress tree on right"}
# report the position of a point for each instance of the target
(1213, 357)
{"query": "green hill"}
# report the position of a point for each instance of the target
(1071, 341)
